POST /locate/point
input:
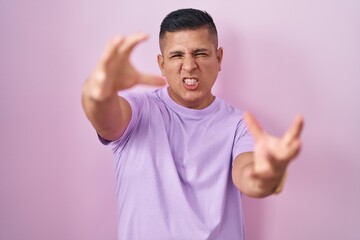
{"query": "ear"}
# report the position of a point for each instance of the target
(160, 60)
(219, 56)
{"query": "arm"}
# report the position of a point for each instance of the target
(109, 113)
(259, 174)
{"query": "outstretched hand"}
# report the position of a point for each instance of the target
(273, 154)
(116, 69)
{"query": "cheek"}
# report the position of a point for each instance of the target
(212, 68)
(209, 62)
(171, 69)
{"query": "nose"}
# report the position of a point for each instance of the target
(189, 63)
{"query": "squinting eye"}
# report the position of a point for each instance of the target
(175, 56)
(200, 54)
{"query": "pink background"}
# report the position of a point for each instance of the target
(281, 57)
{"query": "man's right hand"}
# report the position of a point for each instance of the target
(109, 113)
(115, 72)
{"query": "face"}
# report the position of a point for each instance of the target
(190, 63)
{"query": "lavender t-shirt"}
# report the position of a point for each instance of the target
(173, 170)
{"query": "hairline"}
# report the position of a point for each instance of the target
(212, 35)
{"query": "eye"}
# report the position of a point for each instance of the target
(201, 54)
(176, 56)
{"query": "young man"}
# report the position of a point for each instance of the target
(183, 156)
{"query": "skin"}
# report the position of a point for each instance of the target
(259, 173)
(109, 113)
(185, 54)
(190, 54)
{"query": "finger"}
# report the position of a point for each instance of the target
(111, 48)
(294, 149)
(264, 174)
(253, 126)
(287, 153)
(131, 41)
(294, 131)
(152, 80)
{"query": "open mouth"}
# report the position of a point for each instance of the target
(191, 83)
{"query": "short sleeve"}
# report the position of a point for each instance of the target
(243, 141)
(135, 101)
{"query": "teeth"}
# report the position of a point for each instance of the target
(190, 81)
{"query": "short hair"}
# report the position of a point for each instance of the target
(187, 19)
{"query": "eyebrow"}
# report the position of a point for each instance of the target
(176, 53)
(201, 50)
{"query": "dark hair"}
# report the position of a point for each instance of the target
(187, 19)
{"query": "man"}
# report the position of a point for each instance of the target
(183, 156)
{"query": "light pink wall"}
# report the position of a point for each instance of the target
(281, 57)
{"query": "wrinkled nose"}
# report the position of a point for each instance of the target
(189, 64)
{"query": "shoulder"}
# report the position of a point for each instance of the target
(141, 98)
(229, 110)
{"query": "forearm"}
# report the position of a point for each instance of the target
(255, 187)
(108, 113)
(263, 172)
(250, 184)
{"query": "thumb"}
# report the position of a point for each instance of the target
(149, 79)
